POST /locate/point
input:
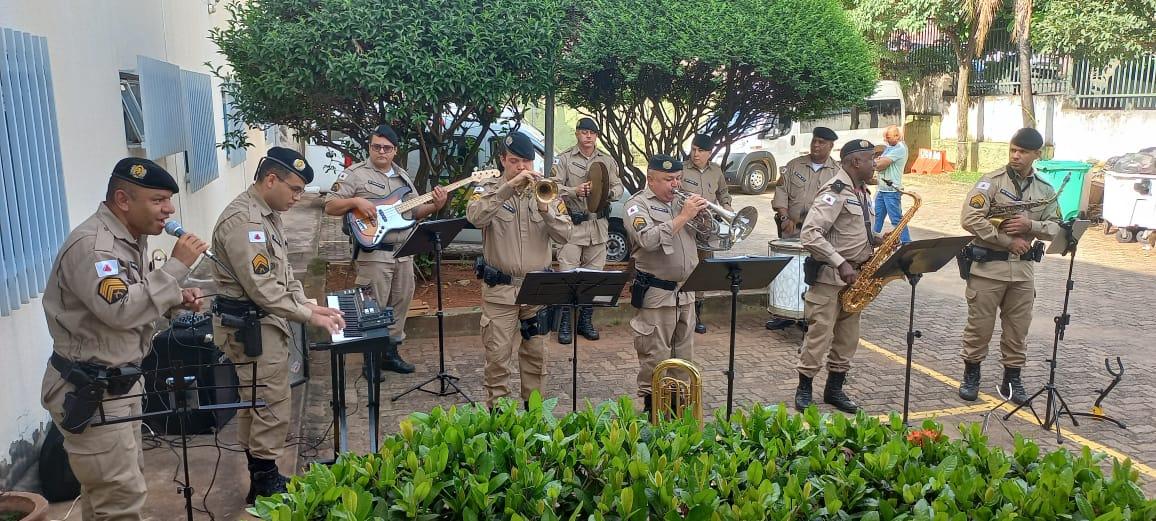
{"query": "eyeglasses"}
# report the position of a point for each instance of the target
(384, 149)
(297, 190)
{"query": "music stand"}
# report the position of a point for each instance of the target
(571, 289)
(183, 390)
(728, 273)
(433, 236)
(911, 261)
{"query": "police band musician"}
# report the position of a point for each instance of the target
(703, 177)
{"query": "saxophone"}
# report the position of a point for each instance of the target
(855, 297)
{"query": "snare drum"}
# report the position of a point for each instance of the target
(786, 291)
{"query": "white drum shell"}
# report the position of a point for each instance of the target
(785, 294)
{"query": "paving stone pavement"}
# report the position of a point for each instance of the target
(1112, 281)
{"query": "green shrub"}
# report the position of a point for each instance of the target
(608, 463)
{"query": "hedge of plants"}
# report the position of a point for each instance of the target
(609, 463)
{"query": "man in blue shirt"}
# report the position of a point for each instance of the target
(890, 167)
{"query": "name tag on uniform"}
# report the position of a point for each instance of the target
(510, 207)
(581, 168)
(854, 202)
(256, 236)
(660, 209)
(107, 268)
(1009, 193)
(379, 185)
(690, 182)
(800, 176)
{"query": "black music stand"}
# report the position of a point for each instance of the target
(183, 391)
(433, 236)
(368, 345)
(728, 274)
(911, 261)
(571, 289)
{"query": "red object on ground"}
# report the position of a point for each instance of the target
(931, 162)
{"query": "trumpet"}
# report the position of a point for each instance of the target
(717, 225)
(545, 190)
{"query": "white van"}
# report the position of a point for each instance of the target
(756, 161)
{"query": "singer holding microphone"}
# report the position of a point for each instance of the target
(100, 302)
(258, 298)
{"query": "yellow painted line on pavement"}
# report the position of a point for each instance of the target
(951, 411)
(990, 401)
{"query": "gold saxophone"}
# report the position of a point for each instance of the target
(855, 297)
(673, 397)
(997, 213)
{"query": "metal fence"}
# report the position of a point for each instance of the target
(1120, 84)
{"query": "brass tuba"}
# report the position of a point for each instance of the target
(671, 396)
(719, 229)
(855, 297)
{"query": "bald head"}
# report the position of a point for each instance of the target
(892, 135)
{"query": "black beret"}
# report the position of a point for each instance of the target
(855, 145)
(290, 159)
(386, 132)
(145, 173)
(519, 144)
(825, 133)
(664, 163)
(587, 124)
(703, 142)
(1028, 138)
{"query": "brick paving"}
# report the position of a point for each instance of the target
(1112, 281)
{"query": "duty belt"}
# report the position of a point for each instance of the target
(981, 254)
(120, 380)
(655, 282)
(237, 307)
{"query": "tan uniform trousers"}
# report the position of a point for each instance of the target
(831, 332)
(591, 257)
(661, 334)
(108, 461)
(1014, 302)
(393, 285)
(262, 431)
(501, 335)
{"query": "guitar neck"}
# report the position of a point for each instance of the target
(410, 204)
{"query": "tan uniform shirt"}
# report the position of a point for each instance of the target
(800, 184)
(834, 230)
(364, 180)
(100, 300)
(658, 249)
(1000, 188)
(571, 171)
(250, 239)
(708, 182)
(515, 235)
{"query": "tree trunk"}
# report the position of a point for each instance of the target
(1024, 49)
(963, 100)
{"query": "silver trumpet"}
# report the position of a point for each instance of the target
(719, 229)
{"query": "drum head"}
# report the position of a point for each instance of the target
(599, 179)
(788, 246)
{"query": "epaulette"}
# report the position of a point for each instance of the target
(838, 186)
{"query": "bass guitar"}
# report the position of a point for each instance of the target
(369, 230)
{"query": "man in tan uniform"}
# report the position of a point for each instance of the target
(1002, 263)
(516, 232)
(587, 246)
(701, 177)
(796, 190)
(391, 278)
(664, 254)
(837, 234)
(258, 296)
(100, 302)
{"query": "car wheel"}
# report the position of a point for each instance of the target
(756, 178)
(618, 245)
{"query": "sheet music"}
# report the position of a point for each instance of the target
(332, 302)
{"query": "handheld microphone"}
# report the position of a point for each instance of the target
(174, 228)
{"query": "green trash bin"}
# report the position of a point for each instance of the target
(1054, 172)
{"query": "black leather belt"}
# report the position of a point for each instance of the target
(981, 254)
(655, 282)
(120, 380)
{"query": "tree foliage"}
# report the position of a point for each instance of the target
(425, 66)
(1095, 30)
(653, 72)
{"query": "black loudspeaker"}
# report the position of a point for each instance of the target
(188, 342)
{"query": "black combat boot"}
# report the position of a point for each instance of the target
(264, 479)
(803, 393)
(565, 334)
(834, 395)
(586, 323)
(647, 405)
(699, 327)
(969, 387)
(1011, 378)
(780, 323)
(392, 360)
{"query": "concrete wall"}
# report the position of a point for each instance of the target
(89, 42)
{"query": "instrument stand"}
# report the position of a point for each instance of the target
(1055, 406)
(912, 261)
(570, 290)
(433, 236)
(184, 400)
(716, 274)
(368, 345)
(988, 415)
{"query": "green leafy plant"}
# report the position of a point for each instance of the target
(608, 463)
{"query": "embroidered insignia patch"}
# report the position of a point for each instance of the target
(112, 289)
(562, 207)
(336, 186)
(256, 236)
(342, 176)
(639, 223)
(829, 199)
(479, 189)
(632, 210)
(107, 268)
(260, 264)
(475, 197)
(977, 201)
(983, 185)
(667, 165)
(137, 171)
(509, 140)
(838, 185)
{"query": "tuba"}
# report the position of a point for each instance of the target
(670, 396)
(718, 225)
(854, 298)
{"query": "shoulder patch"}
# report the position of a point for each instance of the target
(632, 210)
(343, 175)
(107, 268)
(977, 201)
(479, 189)
(829, 199)
(838, 186)
(336, 186)
(983, 185)
(256, 236)
(562, 207)
(475, 196)
(260, 264)
(112, 289)
(639, 223)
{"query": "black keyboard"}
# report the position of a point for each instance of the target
(360, 311)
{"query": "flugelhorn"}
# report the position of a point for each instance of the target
(545, 190)
(718, 225)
